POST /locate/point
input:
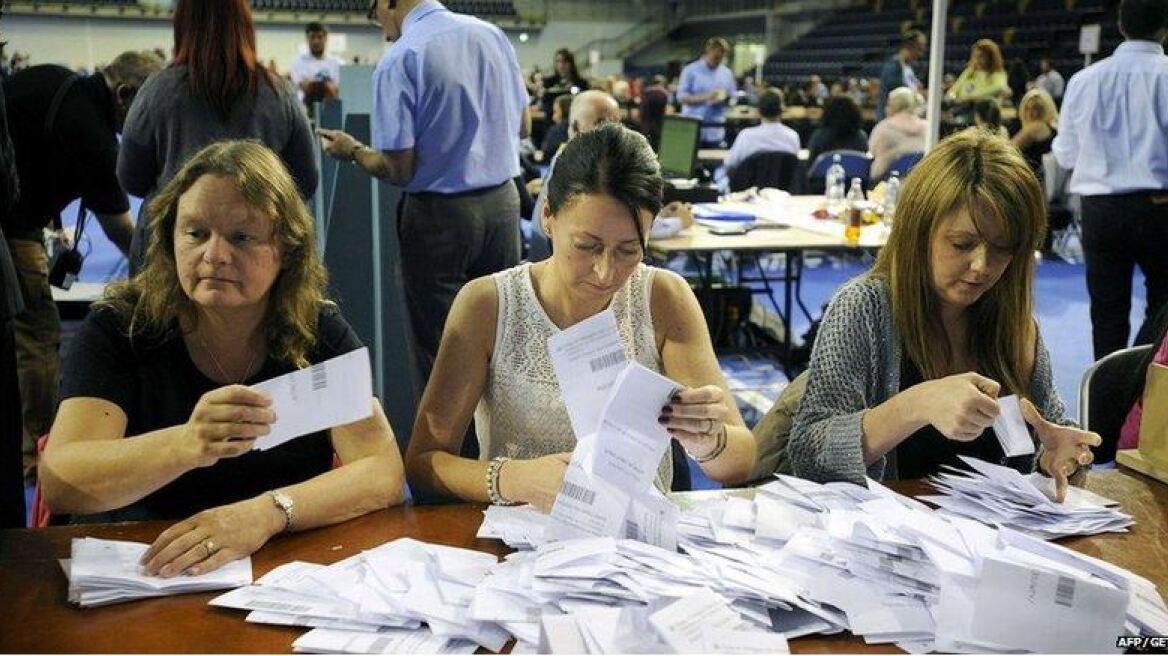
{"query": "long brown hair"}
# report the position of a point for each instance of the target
(986, 175)
(216, 41)
(153, 301)
(992, 51)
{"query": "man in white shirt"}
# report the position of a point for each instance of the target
(771, 136)
(1113, 131)
(316, 74)
(1050, 80)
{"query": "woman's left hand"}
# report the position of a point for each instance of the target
(695, 417)
(1065, 448)
(211, 539)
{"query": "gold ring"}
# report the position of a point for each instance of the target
(210, 547)
(710, 428)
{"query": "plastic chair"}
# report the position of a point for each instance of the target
(1105, 396)
(766, 169)
(902, 165)
(856, 165)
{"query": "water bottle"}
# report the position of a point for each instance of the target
(891, 195)
(854, 213)
(833, 186)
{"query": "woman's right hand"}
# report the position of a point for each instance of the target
(225, 423)
(960, 406)
(536, 481)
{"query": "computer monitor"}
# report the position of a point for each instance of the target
(679, 145)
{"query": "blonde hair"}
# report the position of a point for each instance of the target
(986, 175)
(1040, 100)
(154, 300)
(992, 50)
(902, 99)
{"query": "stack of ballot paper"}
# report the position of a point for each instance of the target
(613, 404)
(1002, 496)
(803, 558)
(377, 601)
(105, 572)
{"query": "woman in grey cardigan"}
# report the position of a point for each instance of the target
(912, 356)
(215, 89)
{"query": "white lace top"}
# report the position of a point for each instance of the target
(522, 413)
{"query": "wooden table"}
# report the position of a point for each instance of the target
(803, 234)
(35, 617)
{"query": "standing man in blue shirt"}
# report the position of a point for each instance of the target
(706, 88)
(449, 108)
(898, 71)
(1113, 131)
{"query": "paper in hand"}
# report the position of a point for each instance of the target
(1011, 429)
(327, 394)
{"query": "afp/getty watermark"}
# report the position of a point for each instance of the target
(1142, 644)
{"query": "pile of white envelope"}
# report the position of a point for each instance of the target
(105, 572)
(1002, 496)
(377, 601)
(803, 558)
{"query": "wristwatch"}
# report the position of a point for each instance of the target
(284, 503)
(356, 149)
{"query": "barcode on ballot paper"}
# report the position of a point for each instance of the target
(607, 360)
(1064, 594)
(319, 377)
(579, 493)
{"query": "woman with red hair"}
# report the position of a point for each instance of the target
(215, 89)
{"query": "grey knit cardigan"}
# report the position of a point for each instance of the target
(855, 365)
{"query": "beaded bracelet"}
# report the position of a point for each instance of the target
(493, 493)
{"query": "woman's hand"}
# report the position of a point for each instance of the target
(1065, 449)
(960, 406)
(225, 424)
(695, 418)
(213, 538)
(536, 481)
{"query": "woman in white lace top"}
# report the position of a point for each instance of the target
(493, 356)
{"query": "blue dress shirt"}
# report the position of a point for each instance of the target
(767, 137)
(1113, 127)
(697, 78)
(451, 89)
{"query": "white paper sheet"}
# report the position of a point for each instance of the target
(587, 359)
(327, 394)
(1010, 428)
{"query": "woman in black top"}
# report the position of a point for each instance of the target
(156, 420)
(839, 129)
(566, 79)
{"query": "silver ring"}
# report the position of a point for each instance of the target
(209, 545)
(710, 428)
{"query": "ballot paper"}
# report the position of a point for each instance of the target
(1002, 496)
(683, 623)
(103, 572)
(324, 395)
(630, 442)
(1011, 429)
(587, 359)
(387, 641)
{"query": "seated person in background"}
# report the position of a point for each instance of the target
(902, 132)
(839, 128)
(1129, 433)
(912, 356)
(988, 116)
(493, 362)
(654, 106)
(771, 136)
(157, 420)
(1039, 119)
(557, 134)
(984, 78)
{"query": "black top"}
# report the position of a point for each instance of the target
(1034, 152)
(157, 385)
(81, 156)
(923, 452)
(556, 136)
(827, 139)
(555, 86)
(11, 303)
